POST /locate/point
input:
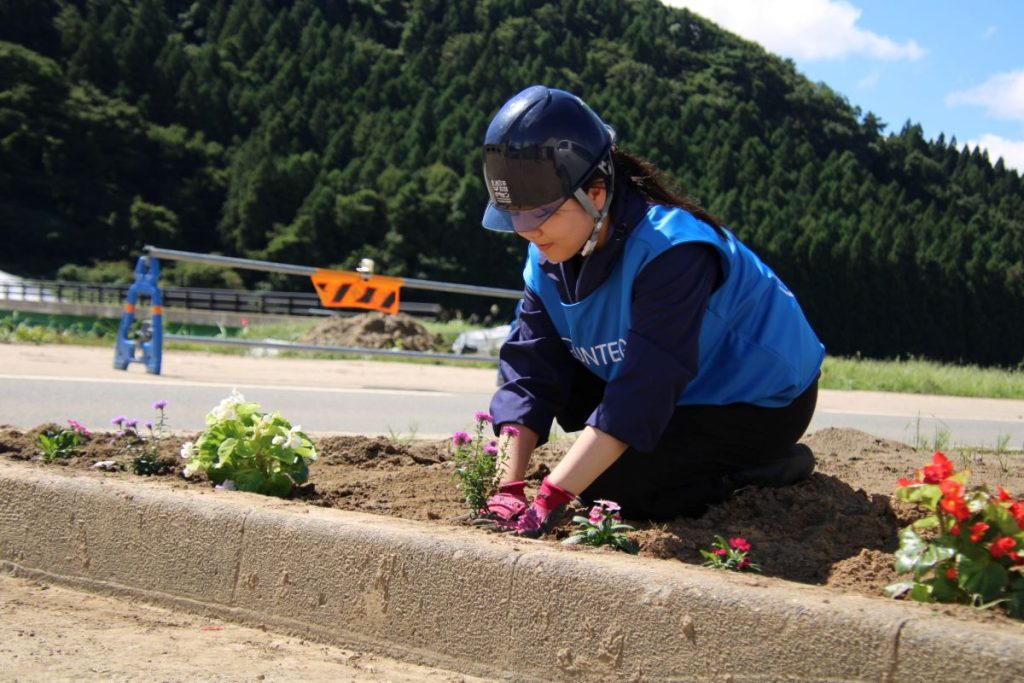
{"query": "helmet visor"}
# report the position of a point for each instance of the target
(526, 220)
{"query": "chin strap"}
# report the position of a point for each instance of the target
(609, 170)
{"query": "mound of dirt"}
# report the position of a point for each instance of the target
(374, 331)
(838, 529)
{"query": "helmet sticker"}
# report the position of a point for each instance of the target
(499, 189)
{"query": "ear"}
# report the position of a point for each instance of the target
(597, 194)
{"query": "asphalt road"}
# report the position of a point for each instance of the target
(53, 383)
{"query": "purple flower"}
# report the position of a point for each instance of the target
(481, 416)
(160, 405)
(131, 424)
(461, 438)
(119, 420)
(149, 424)
(510, 430)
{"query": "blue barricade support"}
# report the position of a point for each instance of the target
(142, 343)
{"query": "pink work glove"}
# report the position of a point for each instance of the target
(545, 511)
(508, 503)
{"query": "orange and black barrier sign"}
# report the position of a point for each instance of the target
(342, 289)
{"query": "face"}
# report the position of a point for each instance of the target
(562, 235)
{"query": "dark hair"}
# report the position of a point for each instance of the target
(649, 181)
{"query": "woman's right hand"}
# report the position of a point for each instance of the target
(508, 503)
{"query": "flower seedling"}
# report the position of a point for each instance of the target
(602, 526)
(63, 442)
(969, 548)
(250, 450)
(731, 554)
(478, 463)
(146, 461)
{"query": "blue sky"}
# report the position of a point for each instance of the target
(954, 67)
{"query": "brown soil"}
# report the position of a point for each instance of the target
(374, 331)
(837, 530)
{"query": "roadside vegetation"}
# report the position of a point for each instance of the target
(904, 375)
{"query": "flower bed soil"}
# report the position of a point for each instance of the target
(837, 530)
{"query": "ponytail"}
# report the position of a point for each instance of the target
(650, 183)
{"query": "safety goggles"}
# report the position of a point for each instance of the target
(524, 220)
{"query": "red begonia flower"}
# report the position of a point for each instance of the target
(1004, 495)
(951, 573)
(956, 507)
(1001, 546)
(941, 468)
(955, 529)
(951, 489)
(977, 531)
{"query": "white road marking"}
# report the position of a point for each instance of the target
(923, 416)
(237, 385)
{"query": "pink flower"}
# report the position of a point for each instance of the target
(609, 505)
(510, 430)
(721, 552)
(461, 438)
(481, 416)
(491, 448)
(744, 563)
(79, 427)
(596, 515)
(739, 544)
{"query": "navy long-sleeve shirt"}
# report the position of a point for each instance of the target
(670, 297)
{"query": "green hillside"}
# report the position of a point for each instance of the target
(318, 132)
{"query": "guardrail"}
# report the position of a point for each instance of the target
(207, 299)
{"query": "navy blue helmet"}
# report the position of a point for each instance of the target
(540, 148)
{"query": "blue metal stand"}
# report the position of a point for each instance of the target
(147, 338)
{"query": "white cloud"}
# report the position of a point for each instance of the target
(869, 81)
(802, 29)
(1012, 151)
(1002, 96)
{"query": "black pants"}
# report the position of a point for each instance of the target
(702, 446)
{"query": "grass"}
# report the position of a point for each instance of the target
(906, 376)
(922, 377)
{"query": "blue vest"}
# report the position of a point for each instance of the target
(755, 343)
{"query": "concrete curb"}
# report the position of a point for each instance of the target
(459, 599)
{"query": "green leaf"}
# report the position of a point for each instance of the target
(895, 590)
(926, 522)
(909, 553)
(252, 481)
(982, 577)
(279, 484)
(923, 494)
(932, 555)
(944, 589)
(226, 448)
(1000, 517)
(921, 592)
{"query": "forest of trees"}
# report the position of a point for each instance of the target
(317, 132)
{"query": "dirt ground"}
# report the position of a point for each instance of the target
(49, 633)
(837, 530)
(374, 331)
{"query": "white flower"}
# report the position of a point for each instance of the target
(225, 410)
(188, 449)
(267, 419)
(186, 473)
(278, 440)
